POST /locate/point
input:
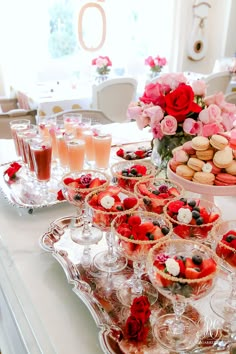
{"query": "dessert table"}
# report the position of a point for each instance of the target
(39, 311)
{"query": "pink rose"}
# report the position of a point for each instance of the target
(173, 80)
(134, 111)
(192, 127)
(217, 99)
(155, 113)
(228, 121)
(142, 122)
(169, 125)
(199, 87)
(210, 114)
(210, 129)
(152, 94)
(157, 132)
(150, 61)
(228, 107)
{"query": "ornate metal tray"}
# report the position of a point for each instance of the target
(98, 291)
(21, 193)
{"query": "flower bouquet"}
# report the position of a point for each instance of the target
(102, 66)
(156, 64)
(176, 111)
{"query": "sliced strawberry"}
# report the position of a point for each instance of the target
(189, 263)
(205, 215)
(213, 217)
(232, 260)
(223, 251)
(181, 267)
(134, 220)
(101, 195)
(143, 189)
(182, 231)
(96, 182)
(118, 206)
(173, 192)
(68, 180)
(233, 244)
(208, 266)
(93, 200)
(146, 227)
(113, 190)
(141, 169)
(175, 206)
(130, 202)
(192, 273)
(157, 233)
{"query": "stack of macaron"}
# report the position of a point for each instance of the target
(203, 160)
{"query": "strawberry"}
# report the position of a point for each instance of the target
(157, 233)
(143, 189)
(134, 220)
(163, 195)
(101, 195)
(233, 244)
(95, 183)
(141, 169)
(93, 200)
(173, 192)
(146, 227)
(232, 260)
(208, 266)
(204, 214)
(68, 180)
(118, 206)
(124, 231)
(113, 190)
(175, 206)
(182, 231)
(189, 263)
(130, 202)
(192, 273)
(213, 217)
(181, 267)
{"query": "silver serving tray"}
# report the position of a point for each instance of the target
(98, 292)
(20, 194)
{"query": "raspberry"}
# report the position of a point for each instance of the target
(129, 203)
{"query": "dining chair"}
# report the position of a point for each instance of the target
(231, 97)
(217, 82)
(97, 116)
(14, 114)
(113, 97)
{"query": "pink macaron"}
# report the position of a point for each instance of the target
(214, 168)
(225, 179)
(187, 147)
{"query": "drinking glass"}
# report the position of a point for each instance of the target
(45, 123)
(181, 270)
(137, 233)
(70, 120)
(76, 153)
(61, 138)
(41, 150)
(82, 126)
(103, 207)
(102, 148)
(223, 242)
(18, 125)
(88, 135)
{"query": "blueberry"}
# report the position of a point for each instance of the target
(119, 207)
(151, 237)
(192, 203)
(155, 192)
(195, 214)
(196, 208)
(183, 200)
(156, 223)
(230, 238)
(146, 201)
(139, 175)
(78, 197)
(124, 173)
(134, 171)
(165, 230)
(128, 157)
(197, 259)
(199, 221)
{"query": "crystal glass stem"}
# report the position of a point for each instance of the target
(177, 327)
(139, 269)
(110, 257)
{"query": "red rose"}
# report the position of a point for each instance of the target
(140, 308)
(135, 330)
(153, 94)
(11, 171)
(180, 102)
(60, 195)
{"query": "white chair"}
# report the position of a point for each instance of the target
(113, 97)
(97, 116)
(231, 97)
(217, 82)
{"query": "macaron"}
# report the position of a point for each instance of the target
(173, 164)
(204, 178)
(185, 172)
(225, 179)
(218, 142)
(205, 155)
(232, 168)
(195, 164)
(187, 146)
(223, 158)
(214, 168)
(200, 143)
(180, 155)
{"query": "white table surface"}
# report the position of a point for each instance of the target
(52, 318)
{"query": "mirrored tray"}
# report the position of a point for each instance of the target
(98, 291)
(22, 194)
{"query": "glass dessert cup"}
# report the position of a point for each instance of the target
(103, 207)
(127, 173)
(155, 193)
(75, 187)
(180, 270)
(137, 233)
(192, 218)
(223, 303)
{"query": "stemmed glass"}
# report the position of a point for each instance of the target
(15, 126)
(223, 303)
(75, 187)
(127, 173)
(180, 270)
(154, 193)
(137, 233)
(192, 218)
(103, 207)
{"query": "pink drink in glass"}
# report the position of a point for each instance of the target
(62, 149)
(76, 152)
(18, 125)
(102, 147)
(89, 144)
(29, 133)
(70, 120)
(41, 150)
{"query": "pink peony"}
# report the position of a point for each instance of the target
(169, 125)
(192, 127)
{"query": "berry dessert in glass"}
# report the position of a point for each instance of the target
(192, 218)
(180, 270)
(154, 193)
(127, 173)
(223, 303)
(137, 233)
(103, 207)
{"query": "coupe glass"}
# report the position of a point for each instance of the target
(180, 270)
(75, 192)
(192, 218)
(137, 233)
(224, 244)
(109, 260)
(155, 193)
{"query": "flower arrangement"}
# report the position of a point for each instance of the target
(176, 111)
(103, 64)
(156, 64)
